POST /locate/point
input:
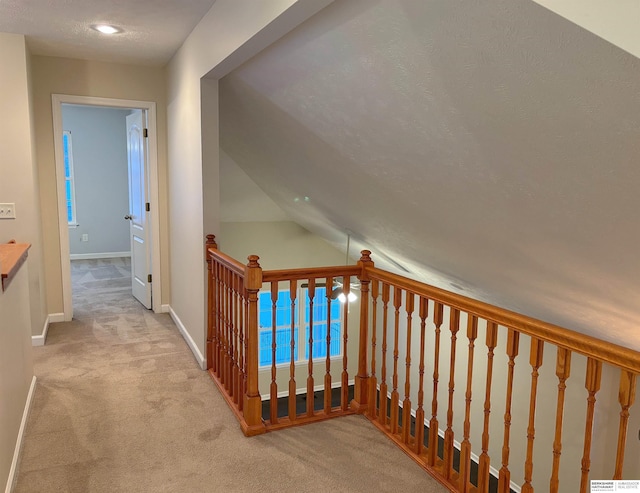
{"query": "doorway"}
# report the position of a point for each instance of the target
(147, 111)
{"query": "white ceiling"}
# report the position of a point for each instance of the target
(489, 148)
(153, 30)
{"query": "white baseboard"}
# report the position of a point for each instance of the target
(23, 426)
(93, 256)
(187, 337)
(42, 338)
(165, 308)
(56, 317)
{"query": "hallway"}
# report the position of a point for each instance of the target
(121, 406)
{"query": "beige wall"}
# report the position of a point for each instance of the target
(21, 305)
(617, 25)
(279, 244)
(16, 365)
(231, 32)
(96, 79)
(17, 167)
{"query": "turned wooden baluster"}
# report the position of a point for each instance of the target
(438, 313)
(229, 331)
(626, 396)
(384, 400)
(230, 309)
(216, 319)
(211, 331)
(242, 346)
(327, 375)
(310, 384)
(535, 360)
(344, 389)
(592, 384)
(232, 296)
(406, 404)
(424, 313)
(273, 403)
(293, 292)
(465, 446)
(252, 407)
(229, 317)
(227, 342)
(373, 381)
(220, 321)
(563, 370)
(395, 396)
(485, 461)
(237, 303)
(454, 327)
(504, 478)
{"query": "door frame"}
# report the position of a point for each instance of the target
(149, 107)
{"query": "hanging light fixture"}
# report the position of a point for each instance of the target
(349, 297)
(338, 291)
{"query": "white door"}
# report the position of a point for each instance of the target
(138, 214)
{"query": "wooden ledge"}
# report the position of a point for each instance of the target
(12, 256)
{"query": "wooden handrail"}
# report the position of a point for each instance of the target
(309, 273)
(607, 352)
(229, 262)
(12, 256)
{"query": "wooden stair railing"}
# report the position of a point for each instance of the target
(405, 322)
(451, 411)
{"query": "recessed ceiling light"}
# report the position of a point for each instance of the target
(106, 28)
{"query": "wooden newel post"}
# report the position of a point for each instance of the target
(252, 408)
(360, 402)
(210, 242)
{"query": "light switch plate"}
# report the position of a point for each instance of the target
(7, 211)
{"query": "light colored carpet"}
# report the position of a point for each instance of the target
(121, 406)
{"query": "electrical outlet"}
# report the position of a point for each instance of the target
(7, 211)
(85, 237)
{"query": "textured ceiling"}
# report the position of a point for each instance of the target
(153, 29)
(488, 148)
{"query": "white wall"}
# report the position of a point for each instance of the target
(99, 144)
(231, 32)
(21, 306)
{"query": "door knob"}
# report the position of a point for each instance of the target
(128, 217)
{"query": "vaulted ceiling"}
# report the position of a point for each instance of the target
(490, 148)
(487, 147)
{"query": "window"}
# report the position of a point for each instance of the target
(69, 184)
(284, 316)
